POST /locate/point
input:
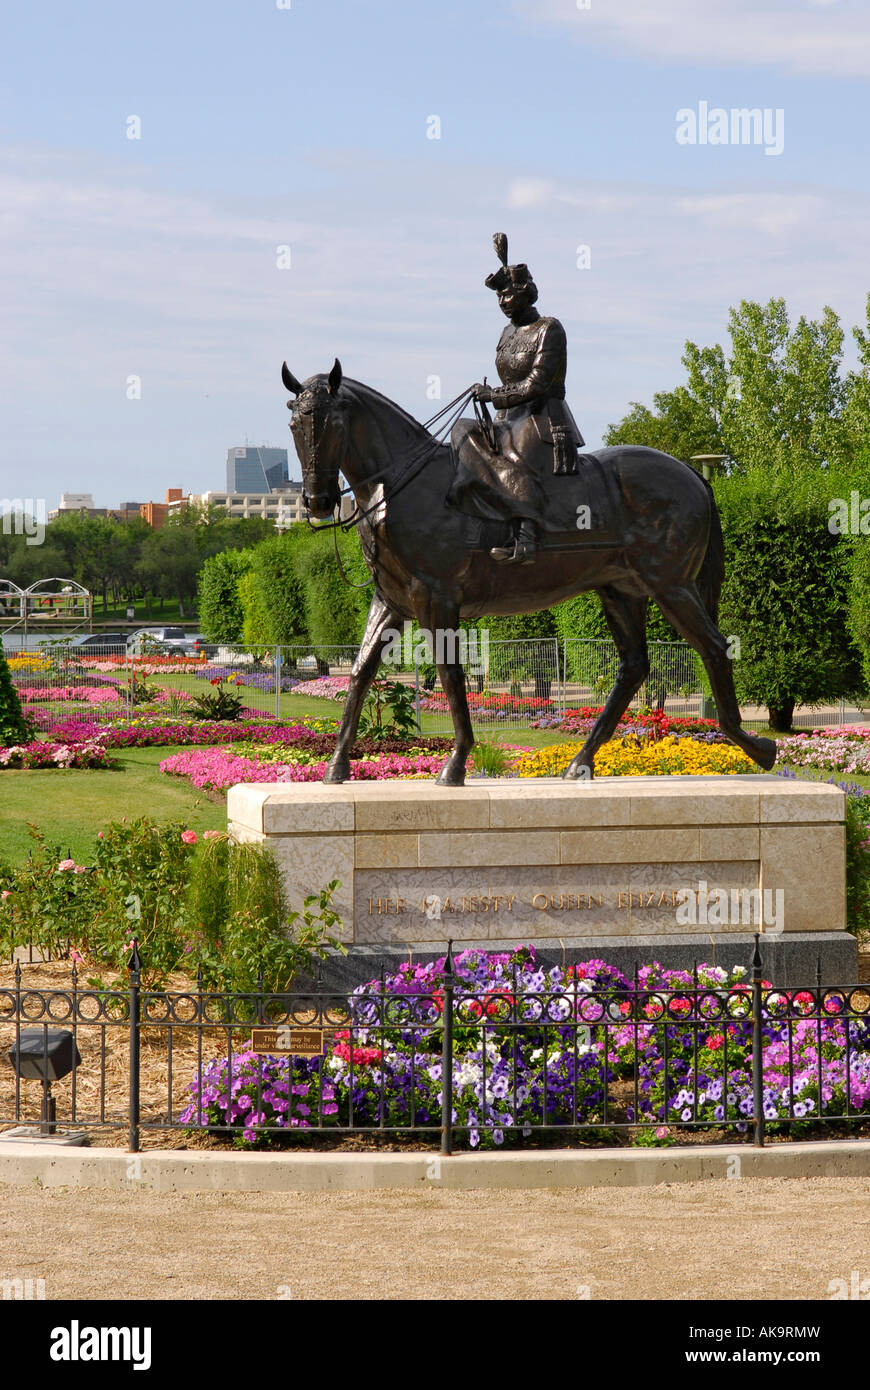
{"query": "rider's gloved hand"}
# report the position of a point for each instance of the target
(482, 393)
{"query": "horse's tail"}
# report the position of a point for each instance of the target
(712, 571)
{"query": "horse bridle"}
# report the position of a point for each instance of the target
(412, 466)
(311, 446)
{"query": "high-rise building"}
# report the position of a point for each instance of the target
(256, 468)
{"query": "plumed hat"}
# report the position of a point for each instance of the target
(516, 275)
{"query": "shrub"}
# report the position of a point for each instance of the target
(158, 883)
(785, 592)
(217, 704)
(220, 605)
(238, 909)
(14, 728)
(388, 711)
(491, 757)
(256, 627)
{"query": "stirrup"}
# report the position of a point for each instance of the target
(524, 553)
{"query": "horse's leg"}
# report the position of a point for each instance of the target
(443, 623)
(626, 618)
(362, 674)
(684, 610)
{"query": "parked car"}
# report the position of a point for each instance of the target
(100, 644)
(200, 645)
(165, 640)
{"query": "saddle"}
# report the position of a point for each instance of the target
(530, 476)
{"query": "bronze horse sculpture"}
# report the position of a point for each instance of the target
(428, 561)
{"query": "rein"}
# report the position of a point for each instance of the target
(412, 467)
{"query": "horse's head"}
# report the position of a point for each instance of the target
(319, 427)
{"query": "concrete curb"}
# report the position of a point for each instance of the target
(207, 1171)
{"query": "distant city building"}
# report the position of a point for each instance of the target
(284, 507)
(76, 502)
(155, 513)
(256, 468)
(80, 502)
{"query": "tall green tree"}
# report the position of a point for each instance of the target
(785, 594)
(14, 728)
(776, 399)
(221, 614)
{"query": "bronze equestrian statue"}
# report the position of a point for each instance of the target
(531, 360)
(629, 522)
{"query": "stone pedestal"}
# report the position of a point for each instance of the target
(628, 868)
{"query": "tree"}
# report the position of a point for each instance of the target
(785, 593)
(220, 606)
(535, 659)
(786, 406)
(777, 400)
(169, 563)
(14, 728)
(856, 409)
(276, 566)
(256, 628)
(679, 425)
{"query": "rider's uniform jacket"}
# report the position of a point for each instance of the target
(531, 360)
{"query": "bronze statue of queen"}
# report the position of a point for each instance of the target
(535, 432)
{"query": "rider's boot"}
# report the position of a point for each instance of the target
(524, 549)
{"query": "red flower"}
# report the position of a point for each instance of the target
(715, 1041)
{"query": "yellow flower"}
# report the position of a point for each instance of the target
(630, 757)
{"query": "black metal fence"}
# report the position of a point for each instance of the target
(453, 1063)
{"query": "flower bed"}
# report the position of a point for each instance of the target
(702, 1073)
(143, 665)
(582, 720)
(324, 688)
(86, 694)
(28, 663)
(43, 753)
(152, 731)
(495, 703)
(393, 1075)
(633, 757)
(842, 749)
(244, 677)
(215, 769)
(680, 1045)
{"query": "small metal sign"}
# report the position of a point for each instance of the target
(295, 1042)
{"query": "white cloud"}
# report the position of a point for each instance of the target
(104, 274)
(818, 37)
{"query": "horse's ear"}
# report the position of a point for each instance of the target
(290, 381)
(334, 379)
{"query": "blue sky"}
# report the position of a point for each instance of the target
(307, 127)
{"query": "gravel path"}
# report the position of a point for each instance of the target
(746, 1239)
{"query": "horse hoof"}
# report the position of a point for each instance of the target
(766, 750)
(583, 773)
(450, 777)
(338, 773)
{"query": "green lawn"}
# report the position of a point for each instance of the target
(70, 806)
(158, 612)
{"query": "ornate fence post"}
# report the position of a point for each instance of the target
(447, 1055)
(757, 1044)
(135, 981)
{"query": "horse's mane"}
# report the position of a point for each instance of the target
(369, 395)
